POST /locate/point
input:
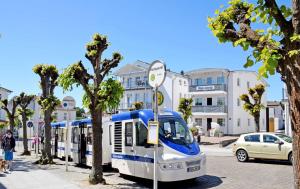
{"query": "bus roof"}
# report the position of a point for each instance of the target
(58, 124)
(145, 115)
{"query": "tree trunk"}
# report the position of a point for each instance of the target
(96, 175)
(294, 101)
(46, 152)
(25, 141)
(256, 120)
(11, 123)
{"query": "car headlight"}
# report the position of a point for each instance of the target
(171, 166)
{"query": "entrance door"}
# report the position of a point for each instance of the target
(209, 101)
(209, 120)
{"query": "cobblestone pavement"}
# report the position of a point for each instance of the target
(222, 172)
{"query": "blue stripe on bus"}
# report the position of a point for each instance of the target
(133, 158)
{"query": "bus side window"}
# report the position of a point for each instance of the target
(75, 135)
(89, 136)
(128, 134)
(141, 134)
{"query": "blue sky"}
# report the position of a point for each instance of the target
(55, 32)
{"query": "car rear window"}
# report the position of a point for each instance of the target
(252, 138)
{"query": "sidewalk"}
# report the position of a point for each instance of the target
(26, 175)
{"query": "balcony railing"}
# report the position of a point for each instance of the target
(136, 85)
(214, 87)
(210, 109)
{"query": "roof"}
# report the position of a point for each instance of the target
(273, 103)
(58, 124)
(145, 115)
(9, 91)
(139, 67)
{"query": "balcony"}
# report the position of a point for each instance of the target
(210, 109)
(213, 87)
(136, 85)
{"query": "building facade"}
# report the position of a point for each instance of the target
(134, 78)
(216, 97)
(3, 95)
(286, 113)
(275, 112)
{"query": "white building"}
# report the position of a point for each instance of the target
(134, 78)
(275, 111)
(3, 95)
(68, 105)
(216, 95)
(286, 113)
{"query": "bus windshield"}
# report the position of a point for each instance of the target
(175, 130)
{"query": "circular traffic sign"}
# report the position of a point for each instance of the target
(29, 124)
(156, 74)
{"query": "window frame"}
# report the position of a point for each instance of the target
(259, 137)
(128, 134)
(277, 139)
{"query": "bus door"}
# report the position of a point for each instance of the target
(82, 144)
(144, 151)
(129, 148)
(55, 141)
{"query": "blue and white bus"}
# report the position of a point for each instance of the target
(179, 155)
(59, 130)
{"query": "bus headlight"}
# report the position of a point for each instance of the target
(171, 166)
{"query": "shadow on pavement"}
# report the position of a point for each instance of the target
(206, 181)
(267, 161)
(2, 186)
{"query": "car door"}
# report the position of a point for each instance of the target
(253, 145)
(271, 149)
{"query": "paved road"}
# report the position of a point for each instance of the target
(222, 172)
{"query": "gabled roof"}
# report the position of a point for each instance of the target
(135, 67)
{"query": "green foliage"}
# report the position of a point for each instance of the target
(185, 107)
(137, 106)
(49, 103)
(252, 101)
(45, 70)
(194, 131)
(80, 113)
(267, 49)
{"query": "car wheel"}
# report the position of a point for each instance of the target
(291, 158)
(242, 155)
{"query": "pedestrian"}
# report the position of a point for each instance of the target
(8, 144)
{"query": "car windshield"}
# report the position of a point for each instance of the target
(285, 138)
(175, 130)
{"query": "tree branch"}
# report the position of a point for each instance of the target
(296, 15)
(108, 65)
(285, 26)
(83, 77)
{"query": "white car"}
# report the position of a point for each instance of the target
(263, 146)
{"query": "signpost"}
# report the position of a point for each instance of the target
(156, 77)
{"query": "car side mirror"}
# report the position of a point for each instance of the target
(279, 142)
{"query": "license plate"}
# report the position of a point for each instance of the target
(193, 169)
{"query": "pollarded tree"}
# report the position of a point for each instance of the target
(10, 112)
(48, 102)
(100, 94)
(137, 106)
(23, 101)
(253, 104)
(277, 48)
(185, 107)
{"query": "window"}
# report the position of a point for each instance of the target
(61, 135)
(75, 135)
(137, 97)
(238, 82)
(141, 134)
(89, 137)
(184, 82)
(145, 80)
(128, 134)
(248, 84)
(198, 102)
(221, 101)
(209, 101)
(199, 81)
(269, 139)
(138, 81)
(220, 80)
(252, 138)
(249, 122)
(180, 82)
(209, 81)
(238, 102)
(65, 116)
(198, 121)
(129, 82)
(221, 121)
(238, 122)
